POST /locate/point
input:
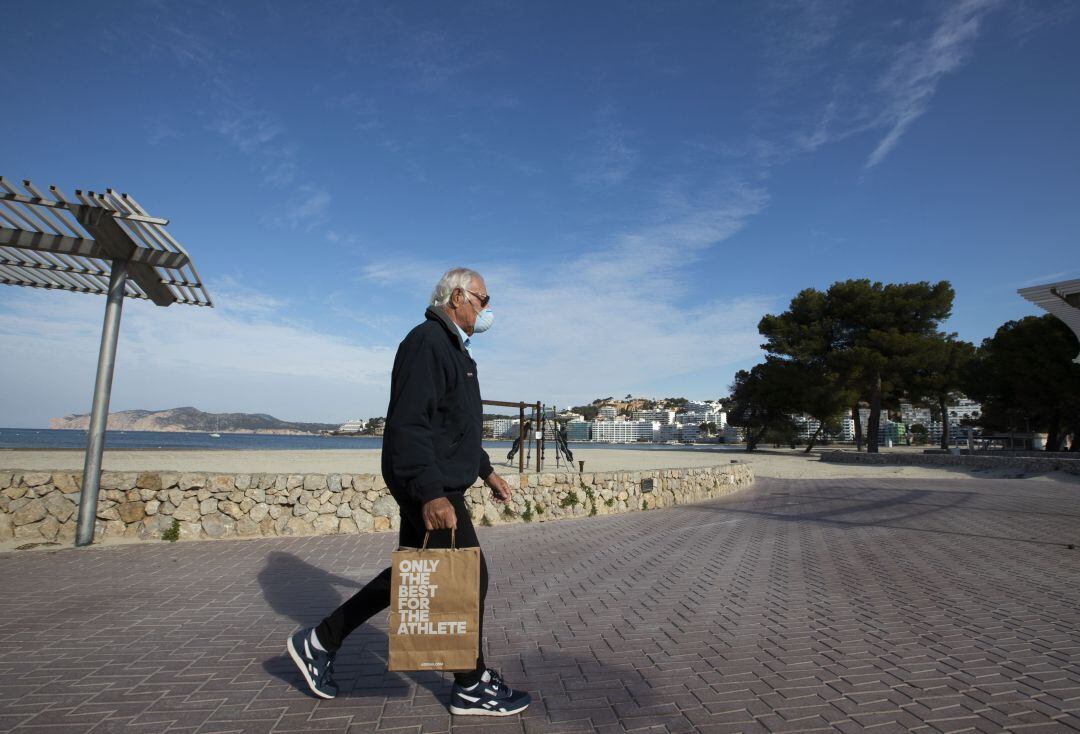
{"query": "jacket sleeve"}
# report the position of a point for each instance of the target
(419, 383)
(485, 465)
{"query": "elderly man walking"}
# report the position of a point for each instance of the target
(432, 453)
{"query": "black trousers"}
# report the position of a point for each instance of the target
(375, 597)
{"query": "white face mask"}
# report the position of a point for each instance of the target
(484, 318)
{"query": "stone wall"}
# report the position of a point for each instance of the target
(42, 506)
(1026, 463)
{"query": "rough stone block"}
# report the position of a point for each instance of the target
(30, 512)
(364, 521)
(297, 526)
(217, 525)
(191, 480)
(132, 512)
(222, 483)
(66, 482)
(107, 512)
(148, 480)
(384, 506)
(190, 530)
(29, 532)
(231, 509)
(36, 479)
(14, 493)
(187, 511)
(326, 524)
(315, 482)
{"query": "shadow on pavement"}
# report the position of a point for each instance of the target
(306, 594)
(856, 502)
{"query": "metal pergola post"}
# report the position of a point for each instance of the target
(99, 412)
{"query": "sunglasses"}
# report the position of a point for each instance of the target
(484, 300)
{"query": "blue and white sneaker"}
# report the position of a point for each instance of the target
(316, 665)
(489, 697)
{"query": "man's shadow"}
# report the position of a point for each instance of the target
(305, 593)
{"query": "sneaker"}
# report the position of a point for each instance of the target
(316, 665)
(489, 697)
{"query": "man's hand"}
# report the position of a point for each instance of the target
(500, 490)
(439, 514)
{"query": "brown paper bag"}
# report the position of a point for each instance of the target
(435, 609)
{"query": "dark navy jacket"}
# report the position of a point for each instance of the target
(432, 441)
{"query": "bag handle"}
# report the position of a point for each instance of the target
(453, 539)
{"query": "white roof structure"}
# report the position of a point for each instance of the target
(48, 240)
(102, 244)
(1061, 299)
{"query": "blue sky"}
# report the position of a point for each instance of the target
(639, 182)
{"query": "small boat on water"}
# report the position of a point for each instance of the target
(215, 435)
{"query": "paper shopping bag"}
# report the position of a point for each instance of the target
(435, 609)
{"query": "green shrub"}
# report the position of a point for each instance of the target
(508, 513)
(527, 516)
(610, 502)
(484, 521)
(173, 533)
(570, 500)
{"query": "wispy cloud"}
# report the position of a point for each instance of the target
(615, 317)
(612, 158)
(306, 209)
(236, 114)
(914, 75)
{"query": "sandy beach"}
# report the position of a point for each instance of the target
(777, 463)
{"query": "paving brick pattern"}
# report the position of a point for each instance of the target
(796, 605)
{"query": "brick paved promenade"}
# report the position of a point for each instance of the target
(797, 605)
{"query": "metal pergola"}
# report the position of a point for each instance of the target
(1061, 299)
(104, 244)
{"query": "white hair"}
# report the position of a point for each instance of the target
(452, 279)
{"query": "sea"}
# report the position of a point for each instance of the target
(44, 438)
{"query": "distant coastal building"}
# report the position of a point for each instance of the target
(353, 425)
(607, 412)
(579, 429)
(663, 416)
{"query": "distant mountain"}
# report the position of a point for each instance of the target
(192, 419)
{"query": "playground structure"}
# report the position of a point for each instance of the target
(521, 428)
(530, 437)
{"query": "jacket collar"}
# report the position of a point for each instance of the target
(436, 313)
